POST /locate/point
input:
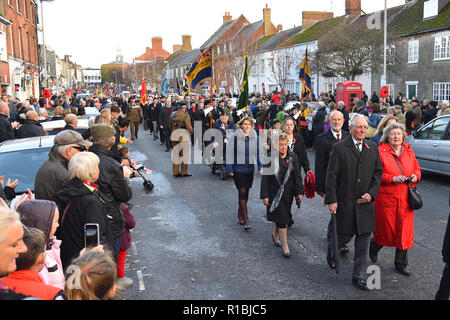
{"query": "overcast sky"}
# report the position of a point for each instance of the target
(91, 31)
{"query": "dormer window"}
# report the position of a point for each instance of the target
(430, 9)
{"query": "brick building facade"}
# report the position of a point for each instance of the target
(22, 48)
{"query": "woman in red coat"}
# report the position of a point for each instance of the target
(394, 218)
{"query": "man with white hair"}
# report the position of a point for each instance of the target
(341, 107)
(43, 115)
(443, 108)
(31, 127)
(6, 127)
(71, 121)
(353, 179)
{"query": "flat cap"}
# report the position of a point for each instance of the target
(68, 137)
(102, 130)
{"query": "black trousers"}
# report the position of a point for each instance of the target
(443, 292)
(362, 243)
(401, 256)
(165, 137)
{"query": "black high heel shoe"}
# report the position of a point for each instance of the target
(287, 255)
(277, 244)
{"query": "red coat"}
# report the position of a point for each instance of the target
(394, 219)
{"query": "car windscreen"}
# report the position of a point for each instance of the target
(23, 166)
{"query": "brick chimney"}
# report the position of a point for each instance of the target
(267, 14)
(311, 17)
(157, 44)
(186, 47)
(176, 47)
(227, 18)
(353, 8)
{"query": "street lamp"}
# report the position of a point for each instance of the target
(43, 41)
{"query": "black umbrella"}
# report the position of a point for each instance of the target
(335, 242)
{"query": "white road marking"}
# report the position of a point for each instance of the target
(133, 244)
(141, 281)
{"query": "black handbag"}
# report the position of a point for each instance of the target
(414, 198)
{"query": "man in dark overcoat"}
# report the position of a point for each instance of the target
(353, 179)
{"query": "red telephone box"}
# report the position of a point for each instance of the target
(347, 91)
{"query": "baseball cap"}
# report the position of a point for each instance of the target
(68, 137)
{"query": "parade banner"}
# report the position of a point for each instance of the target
(243, 99)
(165, 87)
(305, 77)
(201, 69)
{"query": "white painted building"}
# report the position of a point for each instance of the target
(92, 76)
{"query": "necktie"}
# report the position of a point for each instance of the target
(338, 137)
(358, 146)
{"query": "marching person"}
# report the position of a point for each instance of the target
(296, 145)
(246, 149)
(279, 189)
(353, 179)
(153, 113)
(324, 145)
(134, 114)
(400, 170)
(164, 124)
(180, 120)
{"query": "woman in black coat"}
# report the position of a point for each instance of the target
(286, 173)
(82, 203)
(296, 145)
(444, 287)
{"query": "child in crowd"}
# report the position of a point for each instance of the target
(130, 223)
(44, 215)
(26, 279)
(92, 276)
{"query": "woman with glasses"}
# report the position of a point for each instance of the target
(394, 217)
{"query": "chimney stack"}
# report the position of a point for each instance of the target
(227, 18)
(157, 44)
(353, 8)
(279, 28)
(186, 47)
(267, 14)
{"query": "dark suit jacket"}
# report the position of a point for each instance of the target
(163, 117)
(350, 175)
(324, 145)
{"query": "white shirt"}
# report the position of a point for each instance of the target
(359, 148)
(336, 133)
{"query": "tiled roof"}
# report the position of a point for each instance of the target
(410, 21)
(272, 42)
(216, 35)
(185, 58)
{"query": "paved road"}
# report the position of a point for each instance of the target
(189, 245)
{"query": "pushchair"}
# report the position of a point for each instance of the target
(218, 163)
(148, 185)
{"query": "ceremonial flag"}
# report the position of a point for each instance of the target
(165, 87)
(178, 87)
(107, 91)
(143, 92)
(120, 90)
(305, 77)
(185, 87)
(200, 69)
(243, 99)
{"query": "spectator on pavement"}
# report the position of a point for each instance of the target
(130, 223)
(95, 272)
(6, 127)
(58, 114)
(44, 215)
(11, 245)
(26, 279)
(399, 114)
(82, 203)
(430, 113)
(386, 121)
(112, 181)
(71, 122)
(43, 115)
(31, 127)
(443, 292)
(443, 108)
(54, 171)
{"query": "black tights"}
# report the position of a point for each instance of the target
(243, 199)
(243, 193)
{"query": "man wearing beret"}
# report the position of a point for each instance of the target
(112, 180)
(181, 120)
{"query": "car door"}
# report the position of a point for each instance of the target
(444, 150)
(425, 148)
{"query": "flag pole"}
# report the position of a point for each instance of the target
(212, 83)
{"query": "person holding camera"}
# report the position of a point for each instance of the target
(394, 217)
(82, 204)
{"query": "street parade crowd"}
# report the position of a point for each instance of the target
(365, 172)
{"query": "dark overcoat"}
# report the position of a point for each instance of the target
(293, 188)
(324, 145)
(350, 175)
